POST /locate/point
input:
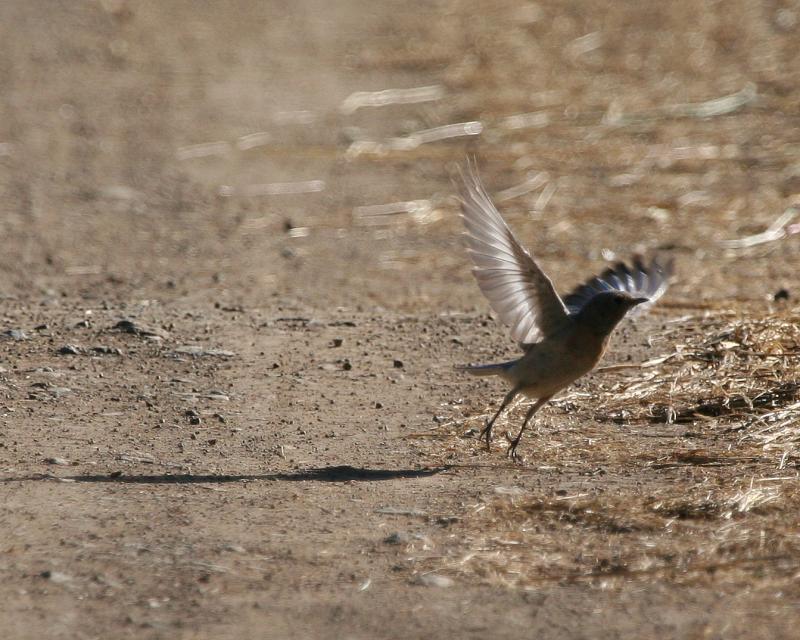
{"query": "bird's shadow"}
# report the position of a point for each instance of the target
(337, 473)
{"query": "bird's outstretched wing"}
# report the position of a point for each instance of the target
(640, 281)
(517, 289)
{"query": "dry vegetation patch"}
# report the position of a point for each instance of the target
(714, 499)
(695, 532)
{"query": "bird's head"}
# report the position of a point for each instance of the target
(604, 310)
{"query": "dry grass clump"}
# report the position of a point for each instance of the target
(707, 534)
(722, 509)
(738, 373)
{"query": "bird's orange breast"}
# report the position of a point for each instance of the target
(556, 362)
(585, 346)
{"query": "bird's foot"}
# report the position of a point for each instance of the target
(513, 443)
(486, 434)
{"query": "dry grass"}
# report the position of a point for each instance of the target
(707, 533)
(739, 373)
(713, 500)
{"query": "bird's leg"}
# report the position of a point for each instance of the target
(514, 442)
(487, 430)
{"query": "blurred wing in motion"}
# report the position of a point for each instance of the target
(517, 289)
(640, 281)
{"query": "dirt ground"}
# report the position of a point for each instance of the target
(229, 407)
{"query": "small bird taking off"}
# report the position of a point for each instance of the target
(563, 339)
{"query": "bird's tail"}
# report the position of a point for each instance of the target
(487, 369)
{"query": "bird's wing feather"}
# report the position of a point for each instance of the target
(517, 289)
(640, 281)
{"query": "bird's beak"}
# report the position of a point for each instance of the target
(638, 301)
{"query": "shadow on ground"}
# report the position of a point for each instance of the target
(339, 473)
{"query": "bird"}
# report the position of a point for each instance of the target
(562, 339)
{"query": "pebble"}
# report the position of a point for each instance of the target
(129, 326)
(59, 461)
(55, 576)
(103, 350)
(16, 334)
(781, 294)
(398, 537)
(69, 350)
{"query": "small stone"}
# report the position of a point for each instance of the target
(103, 350)
(398, 537)
(55, 576)
(16, 334)
(69, 350)
(398, 364)
(337, 342)
(346, 365)
(59, 461)
(129, 326)
(781, 294)
(126, 326)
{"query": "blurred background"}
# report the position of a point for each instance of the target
(304, 151)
